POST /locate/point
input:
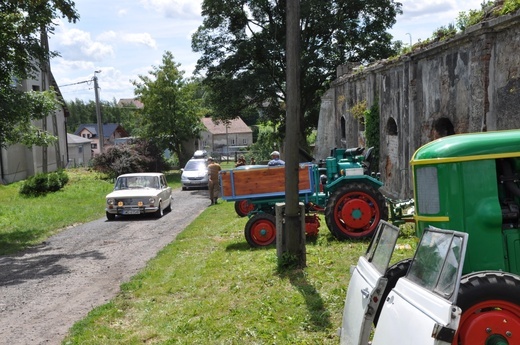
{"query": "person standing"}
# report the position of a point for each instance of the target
(275, 159)
(240, 162)
(213, 185)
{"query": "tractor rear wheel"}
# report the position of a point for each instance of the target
(354, 210)
(490, 303)
(260, 230)
(243, 207)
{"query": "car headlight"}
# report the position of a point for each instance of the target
(110, 201)
(152, 201)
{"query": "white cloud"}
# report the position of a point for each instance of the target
(174, 8)
(143, 38)
(78, 44)
(125, 39)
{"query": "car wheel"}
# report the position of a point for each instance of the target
(110, 216)
(160, 212)
(169, 207)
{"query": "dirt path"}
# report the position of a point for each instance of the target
(45, 289)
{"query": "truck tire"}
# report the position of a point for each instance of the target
(354, 210)
(260, 230)
(243, 207)
(490, 303)
(393, 273)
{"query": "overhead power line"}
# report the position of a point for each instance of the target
(79, 82)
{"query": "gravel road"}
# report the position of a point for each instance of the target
(46, 289)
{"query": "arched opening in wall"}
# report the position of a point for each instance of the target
(391, 126)
(343, 130)
(443, 127)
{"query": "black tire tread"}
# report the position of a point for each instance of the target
(354, 186)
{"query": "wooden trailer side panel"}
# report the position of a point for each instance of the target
(258, 182)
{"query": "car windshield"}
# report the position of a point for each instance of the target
(195, 165)
(133, 182)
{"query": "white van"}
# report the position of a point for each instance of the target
(195, 174)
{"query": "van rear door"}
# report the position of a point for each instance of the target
(367, 285)
(421, 308)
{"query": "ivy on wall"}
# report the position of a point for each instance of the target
(372, 131)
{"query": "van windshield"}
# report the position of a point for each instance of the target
(195, 165)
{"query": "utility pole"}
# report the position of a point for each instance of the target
(295, 240)
(98, 113)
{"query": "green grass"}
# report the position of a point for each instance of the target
(210, 287)
(206, 287)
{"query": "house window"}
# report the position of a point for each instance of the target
(93, 146)
(80, 149)
(244, 141)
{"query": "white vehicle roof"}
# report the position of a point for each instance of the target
(141, 174)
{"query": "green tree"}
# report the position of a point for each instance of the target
(172, 108)
(243, 51)
(24, 26)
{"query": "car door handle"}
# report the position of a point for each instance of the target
(365, 293)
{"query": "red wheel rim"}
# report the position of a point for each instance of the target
(263, 232)
(356, 213)
(244, 206)
(490, 322)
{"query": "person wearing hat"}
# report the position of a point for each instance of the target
(213, 186)
(275, 159)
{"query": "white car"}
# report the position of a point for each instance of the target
(195, 174)
(139, 193)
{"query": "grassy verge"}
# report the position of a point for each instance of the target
(209, 287)
(29, 221)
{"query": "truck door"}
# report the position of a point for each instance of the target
(367, 285)
(421, 308)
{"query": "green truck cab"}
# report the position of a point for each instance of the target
(469, 183)
(462, 287)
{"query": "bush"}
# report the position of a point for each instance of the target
(41, 184)
(138, 156)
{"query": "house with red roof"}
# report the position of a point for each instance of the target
(223, 137)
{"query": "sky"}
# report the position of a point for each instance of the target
(125, 39)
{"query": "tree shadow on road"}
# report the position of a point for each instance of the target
(35, 264)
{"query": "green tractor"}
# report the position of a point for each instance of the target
(463, 285)
(342, 187)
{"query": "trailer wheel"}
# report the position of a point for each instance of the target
(490, 303)
(353, 211)
(243, 207)
(393, 273)
(260, 230)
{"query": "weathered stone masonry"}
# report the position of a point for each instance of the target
(469, 83)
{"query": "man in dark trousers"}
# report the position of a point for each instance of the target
(213, 186)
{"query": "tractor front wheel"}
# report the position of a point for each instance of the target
(490, 303)
(354, 210)
(260, 230)
(243, 207)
